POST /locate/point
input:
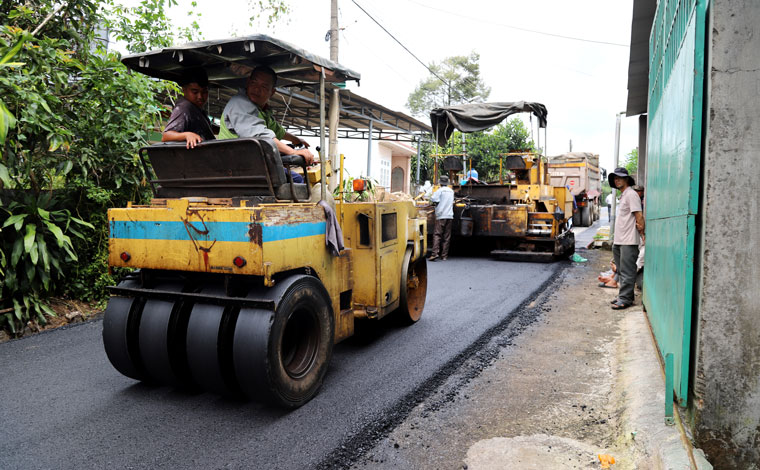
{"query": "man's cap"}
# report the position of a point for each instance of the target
(194, 75)
(443, 180)
(621, 172)
(638, 187)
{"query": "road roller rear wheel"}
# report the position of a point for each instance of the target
(413, 289)
(157, 334)
(281, 356)
(209, 345)
(120, 325)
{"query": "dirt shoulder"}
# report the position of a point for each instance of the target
(548, 400)
(67, 312)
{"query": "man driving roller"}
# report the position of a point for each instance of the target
(247, 115)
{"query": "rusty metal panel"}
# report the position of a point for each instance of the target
(499, 221)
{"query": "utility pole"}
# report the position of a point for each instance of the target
(615, 165)
(334, 97)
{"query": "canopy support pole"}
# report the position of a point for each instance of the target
(369, 150)
(323, 180)
(419, 149)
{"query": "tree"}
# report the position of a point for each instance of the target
(72, 119)
(453, 81)
(631, 162)
(75, 119)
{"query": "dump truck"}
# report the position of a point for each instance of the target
(239, 283)
(524, 218)
(580, 172)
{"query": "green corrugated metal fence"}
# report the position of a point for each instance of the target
(676, 77)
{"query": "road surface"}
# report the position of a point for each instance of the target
(63, 406)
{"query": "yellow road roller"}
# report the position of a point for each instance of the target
(523, 219)
(242, 279)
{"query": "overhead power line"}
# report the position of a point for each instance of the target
(467, 79)
(519, 28)
(399, 42)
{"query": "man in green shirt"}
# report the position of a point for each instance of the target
(247, 115)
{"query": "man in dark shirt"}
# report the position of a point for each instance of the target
(188, 122)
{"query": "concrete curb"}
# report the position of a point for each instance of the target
(642, 387)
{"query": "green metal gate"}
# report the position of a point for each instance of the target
(676, 77)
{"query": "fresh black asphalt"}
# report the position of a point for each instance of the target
(63, 406)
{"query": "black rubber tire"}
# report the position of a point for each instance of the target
(120, 324)
(206, 342)
(155, 337)
(413, 290)
(282, 356)
(577, 218)
(586, 216)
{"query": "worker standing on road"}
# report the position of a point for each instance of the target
(444, 216)
(609, 204)
(629, 229)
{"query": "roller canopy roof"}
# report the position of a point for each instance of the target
(479, 116)
(228, 62)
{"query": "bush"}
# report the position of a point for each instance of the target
(37, 236)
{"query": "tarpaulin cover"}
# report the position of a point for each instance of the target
(479, 116)
(228, 62)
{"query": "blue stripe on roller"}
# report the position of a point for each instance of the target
(219, 231)
(273, 233)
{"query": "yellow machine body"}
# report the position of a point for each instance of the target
(208, 236)
(528, 215)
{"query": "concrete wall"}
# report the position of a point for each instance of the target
(726, 401)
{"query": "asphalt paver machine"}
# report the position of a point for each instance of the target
(235, 289)
(523, 219)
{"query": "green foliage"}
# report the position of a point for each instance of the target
(272, 10)
(147, 26)
(631, 162)
(461, 84)
(72, 118)
(39, 238)
(483, 148)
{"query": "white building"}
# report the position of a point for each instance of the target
(387, 162)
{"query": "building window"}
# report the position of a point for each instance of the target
(385, 173)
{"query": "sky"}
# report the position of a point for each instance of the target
(582, 83)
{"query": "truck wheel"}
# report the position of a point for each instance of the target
(413, 289)
(282, 356)
(577, 218)
(586, 216)
(120, 325)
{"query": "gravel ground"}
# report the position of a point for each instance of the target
(538, 394)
